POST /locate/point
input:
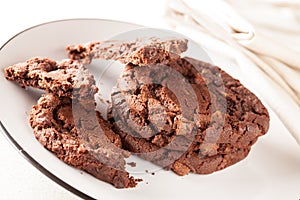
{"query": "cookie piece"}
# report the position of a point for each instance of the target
(64, 78)
(80, 137)
(140, 52)
(181, 161)
(189, 113)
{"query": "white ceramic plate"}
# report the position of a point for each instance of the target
(271, 171)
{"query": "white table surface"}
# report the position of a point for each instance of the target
(18, 178)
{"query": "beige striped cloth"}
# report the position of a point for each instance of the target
(262, 36)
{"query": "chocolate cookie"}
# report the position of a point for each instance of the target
(186, 115)
(179, 113)
(183, 160)
(64, 78)
(139, 52)
(84, 141)
(65, 121)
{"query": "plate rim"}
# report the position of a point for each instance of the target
(17, 146)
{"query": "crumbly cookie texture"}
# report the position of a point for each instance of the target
(63, 78)
(65, 122)
(81, 138)
(180, 113)
(140, 52)
(193, 115)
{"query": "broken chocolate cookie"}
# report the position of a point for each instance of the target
(63, 78)
(186, 113)
(139, 52)
(92, 147)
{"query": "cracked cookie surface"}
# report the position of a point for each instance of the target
(63, 78)
(65, 122)
(140, 52)
(191, 112)
(77, 141)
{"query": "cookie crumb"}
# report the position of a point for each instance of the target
(132, 164)
(138, 180)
